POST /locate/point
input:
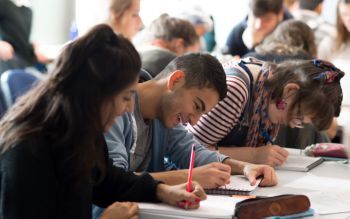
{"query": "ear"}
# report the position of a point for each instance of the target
(319, 8)
(290, 89)
(179, 46)
(280, 15)
(175, 78)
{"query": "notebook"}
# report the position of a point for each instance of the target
(222, 207)
(300, 163)
(239, 185)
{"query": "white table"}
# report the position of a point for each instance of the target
(327, 177)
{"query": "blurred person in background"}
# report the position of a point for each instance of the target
(124, 17)
(16, 50)
(309, 11)
(338, 47)
(168, 37)
(263, 18)
(201, 21)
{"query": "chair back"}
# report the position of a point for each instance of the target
(14, 83)
(144, 75)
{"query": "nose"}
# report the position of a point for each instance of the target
(194, 118)
(257, 23)
(140, 23)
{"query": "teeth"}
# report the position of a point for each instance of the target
(180, 118)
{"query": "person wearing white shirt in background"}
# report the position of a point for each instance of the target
(122, 15)
(310, 13)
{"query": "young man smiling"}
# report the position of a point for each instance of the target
(186, 89)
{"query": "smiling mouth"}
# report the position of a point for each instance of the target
(179, 118)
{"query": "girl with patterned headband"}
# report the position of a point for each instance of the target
(262, 96)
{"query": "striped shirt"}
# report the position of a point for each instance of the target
(216, 124)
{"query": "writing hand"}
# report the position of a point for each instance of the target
(252, 171)
(272, 155)
(212, 175)
(177, 195)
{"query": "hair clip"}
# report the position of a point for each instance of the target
(326, 77)
(331, 72)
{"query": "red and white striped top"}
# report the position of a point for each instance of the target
(215, 125)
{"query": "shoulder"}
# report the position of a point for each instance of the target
(239, 28)
(25, 152)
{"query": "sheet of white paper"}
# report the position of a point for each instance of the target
(330, 202)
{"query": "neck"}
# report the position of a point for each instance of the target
(149, 97)
(161, 43)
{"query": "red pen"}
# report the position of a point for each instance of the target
(190, 169)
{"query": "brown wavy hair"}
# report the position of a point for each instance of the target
(316, 98)
(343, 34)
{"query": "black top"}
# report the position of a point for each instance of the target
(234, 43)
(34, 184)
(15, 27)
(155, 60)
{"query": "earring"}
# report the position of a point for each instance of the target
(281, 104)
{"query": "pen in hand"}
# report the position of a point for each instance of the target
(267, 137)
(190, 170)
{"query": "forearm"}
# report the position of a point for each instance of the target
(239, 157)
(171, 177)
(246, 154)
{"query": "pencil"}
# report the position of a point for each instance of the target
(190, 170)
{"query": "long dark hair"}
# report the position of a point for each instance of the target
(65, 107)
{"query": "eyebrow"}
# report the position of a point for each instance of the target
(201, 103)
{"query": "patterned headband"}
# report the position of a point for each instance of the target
(330, 74)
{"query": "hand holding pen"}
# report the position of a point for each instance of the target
(186, 195)
(270, 154)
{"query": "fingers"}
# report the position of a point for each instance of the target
(188, 204)
(281, 153)
(267, 172)
(198, 191)
(134, 208)
(276, 155)
(252, 179)
(222, 167)
(270, 177)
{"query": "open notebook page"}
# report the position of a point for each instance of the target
(220, 207)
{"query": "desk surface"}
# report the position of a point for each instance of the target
(327, 177)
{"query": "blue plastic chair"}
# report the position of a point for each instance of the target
(14, 83)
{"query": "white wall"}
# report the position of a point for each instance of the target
(89, 13)
(51, 20)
